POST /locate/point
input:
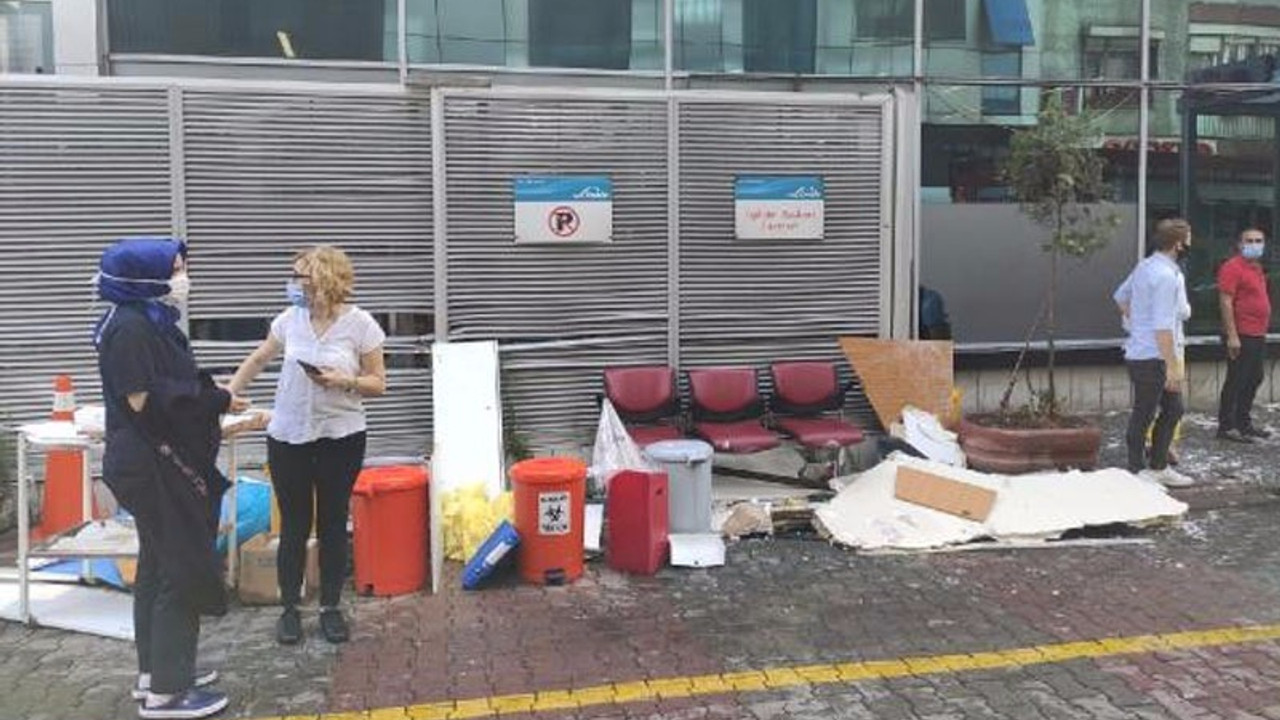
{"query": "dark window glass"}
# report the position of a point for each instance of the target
(944, 20)
(580, 33)
(884, 18)
(306, 29)
(779, 35)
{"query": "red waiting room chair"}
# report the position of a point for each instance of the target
(727, 410)
(646, 400)
(804, 396)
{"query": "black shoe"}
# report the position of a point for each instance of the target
(333, 626)
(1235, 436)
(289, 627)
(1255, 432)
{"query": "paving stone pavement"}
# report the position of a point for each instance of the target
(777, 603)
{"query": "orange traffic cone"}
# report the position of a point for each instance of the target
(62, 507)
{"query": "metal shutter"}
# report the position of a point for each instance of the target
(79, 168)
(562, 313)
(270, 173)
(754, 302)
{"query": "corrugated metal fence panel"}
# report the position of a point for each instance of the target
(754, 302)
(79, 168)
(601, 304)
(268, 174)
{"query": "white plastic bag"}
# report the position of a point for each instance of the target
(614, 449)
(926, 434)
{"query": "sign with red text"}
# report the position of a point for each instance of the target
(1156, 145)
(778, 207)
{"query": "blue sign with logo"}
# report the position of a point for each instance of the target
(563, 188)
(778, 207)
(788, 187)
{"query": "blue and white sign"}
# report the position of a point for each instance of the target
(563, 208)
(773, 207)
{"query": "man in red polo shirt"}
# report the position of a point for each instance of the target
(1246, 314)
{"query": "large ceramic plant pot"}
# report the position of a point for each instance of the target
(1012, 450)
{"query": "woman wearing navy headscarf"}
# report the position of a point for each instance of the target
(163, 434)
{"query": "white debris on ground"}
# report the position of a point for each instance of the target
(1195, 529)
(1203, 457)
(866, 514)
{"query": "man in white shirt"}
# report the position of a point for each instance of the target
(1156, 293)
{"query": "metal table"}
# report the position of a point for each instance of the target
(63, 435)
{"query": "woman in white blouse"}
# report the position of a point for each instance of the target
(316, 439)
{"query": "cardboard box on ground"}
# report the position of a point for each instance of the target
(258, 584)
(257, 581)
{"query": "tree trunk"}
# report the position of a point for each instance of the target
(1051, 321)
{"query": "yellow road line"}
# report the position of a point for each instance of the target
(810, 675)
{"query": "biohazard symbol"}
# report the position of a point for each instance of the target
(554, 515)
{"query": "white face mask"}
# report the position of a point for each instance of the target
(179, 290)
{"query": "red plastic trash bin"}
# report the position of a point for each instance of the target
(549, 494)
(637, 510)
(391, 518)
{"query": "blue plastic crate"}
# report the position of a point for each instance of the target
(492, 552)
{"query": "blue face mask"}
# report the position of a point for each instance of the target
(297, 297)
(1252, 251)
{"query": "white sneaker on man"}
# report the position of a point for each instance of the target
(1174, 479)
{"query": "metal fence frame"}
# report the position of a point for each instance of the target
(899, 113)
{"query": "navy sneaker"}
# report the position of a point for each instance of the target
(188, 705)
(203, 678)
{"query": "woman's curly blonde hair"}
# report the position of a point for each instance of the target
(331, 273)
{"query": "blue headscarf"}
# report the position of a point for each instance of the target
(137, 271)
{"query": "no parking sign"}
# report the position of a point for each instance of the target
(563, 208)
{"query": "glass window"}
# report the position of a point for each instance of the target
(881, 19)
(1002, 99)
(466, 32)
(580, 33)
(472, 32)
(594, 34)
(971, 227)
(779, 35)
(1233, 185)
(699, 26)
(26, 37)
(1053, 36)
(303, 29)
(945, 20)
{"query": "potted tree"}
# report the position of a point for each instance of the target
(1057, 178)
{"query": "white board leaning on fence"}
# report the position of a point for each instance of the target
(466, 402)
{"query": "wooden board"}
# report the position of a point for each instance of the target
(896, 373)
(944, 494)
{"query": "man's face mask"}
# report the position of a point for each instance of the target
(1252, 248)
(1184, 249)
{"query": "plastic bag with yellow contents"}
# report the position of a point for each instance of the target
(469, 517)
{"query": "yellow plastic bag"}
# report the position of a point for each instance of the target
(469, 517)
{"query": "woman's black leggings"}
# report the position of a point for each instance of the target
(325, 469)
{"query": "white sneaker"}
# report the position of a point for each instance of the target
(1174, 479)
(1155, 477)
